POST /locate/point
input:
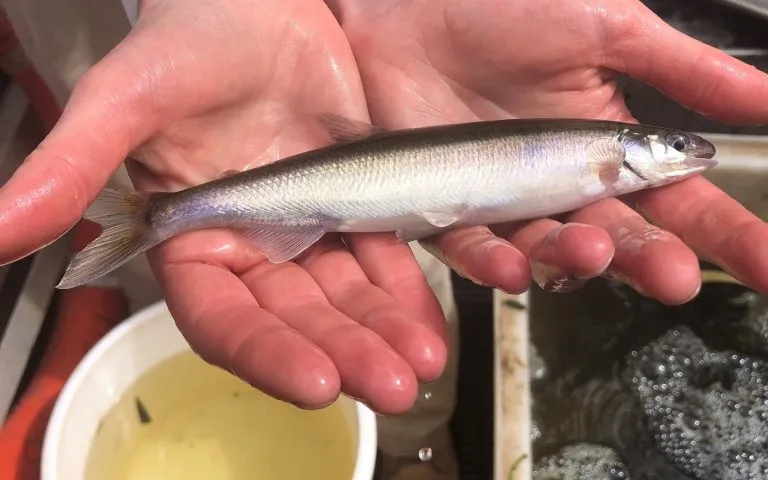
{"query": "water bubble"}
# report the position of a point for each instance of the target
(582, 461)
(708, 418)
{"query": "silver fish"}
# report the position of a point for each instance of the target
(415, 182)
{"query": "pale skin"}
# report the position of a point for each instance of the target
(199, 88)
(448, 61)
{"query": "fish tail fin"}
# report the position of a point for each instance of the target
(123, 216)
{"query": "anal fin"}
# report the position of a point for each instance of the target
(432, 222)
(406, 235)
(281, 246)
(440, 218)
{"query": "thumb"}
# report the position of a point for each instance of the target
(698, 76)
(51, 190)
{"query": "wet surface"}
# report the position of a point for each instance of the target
(582, 462)
(627, 388)
(707, 409)
(630, 388)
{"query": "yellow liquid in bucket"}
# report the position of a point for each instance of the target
(201, 422)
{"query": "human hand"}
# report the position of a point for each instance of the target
(446, 61)
(196, 89)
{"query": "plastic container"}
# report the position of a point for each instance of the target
(140, 343)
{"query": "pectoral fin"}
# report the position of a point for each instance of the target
(605, 157)
(343, 129)
(280, 247)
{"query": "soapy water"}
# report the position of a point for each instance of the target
(580, 462)
(707, 410)
(684, 402)
(697, 416)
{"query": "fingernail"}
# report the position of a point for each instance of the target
(463, 274)
(568, 226)
(484, 248)
(563, 284)
(496, 242)
(695, 293)
(553, 279)
(619, 277)
(510, 291)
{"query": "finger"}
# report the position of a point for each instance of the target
(60, 178)
(715, 225)
(563, 256)
(699, 76)
(225, 325)
(477, 254)
(392, 266)
(654, 262)
(369, 369)
(348, 288)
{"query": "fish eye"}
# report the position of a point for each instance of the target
(678, 142)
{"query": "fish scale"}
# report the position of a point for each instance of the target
(414, 183)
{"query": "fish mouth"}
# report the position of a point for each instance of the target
(699, 163)
(701, 157)
(692, 164)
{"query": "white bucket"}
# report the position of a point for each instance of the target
(115, 363)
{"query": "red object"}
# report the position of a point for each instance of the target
(8, 40)
(15, 63)
(85, 314)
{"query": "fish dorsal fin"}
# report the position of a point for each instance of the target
(343, 129)
(228, 173)
(280, 247)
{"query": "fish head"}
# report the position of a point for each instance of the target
(658, 156)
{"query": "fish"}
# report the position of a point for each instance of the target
(414, 182)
